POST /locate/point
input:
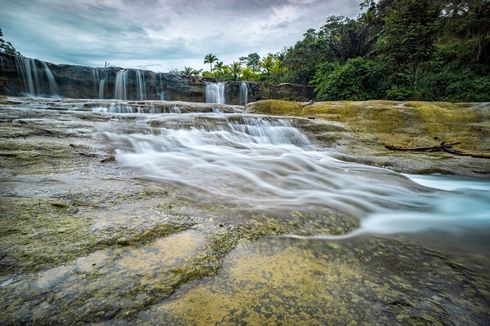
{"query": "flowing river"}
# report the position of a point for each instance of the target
(266, 163)
(153, 212)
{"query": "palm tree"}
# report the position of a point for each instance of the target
(267, 63)
(219, 66)
(236, 68)
(210, 58)
(189, 71)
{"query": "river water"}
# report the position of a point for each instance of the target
(120, 212)
(268, 164)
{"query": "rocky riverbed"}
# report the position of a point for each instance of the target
(125, 212)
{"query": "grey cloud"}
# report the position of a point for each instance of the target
(174, 33)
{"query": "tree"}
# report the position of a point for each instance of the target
(235, 69)
(410, 33)
(357, 80)
(219, 66)
(267, 63)
(301, 60)
(468, 21)
(348, 38)
(189, 71)
(249, 74)
(7, 47)
(395, 49)
(252, 61)
(210, 58)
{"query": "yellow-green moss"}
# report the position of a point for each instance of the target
(397, 123)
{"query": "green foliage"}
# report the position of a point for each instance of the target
(7, 47)
(235, 69)
(401, 93)
(301, 60)
(250, 74)
(357, 79)
(409, 49)
(210, 58)
(347, 38)
(252, 61)
(409, 34)
(190, 72)
(395, 49)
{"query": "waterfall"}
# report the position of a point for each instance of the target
(244, 93)
(162, 92)
(96, 78)
(215, 93)
(101, 89)
(53, 86)
(140, 80)
(27, 70)
(121, 90)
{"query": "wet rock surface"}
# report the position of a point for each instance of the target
(85, 238)
(364, 129)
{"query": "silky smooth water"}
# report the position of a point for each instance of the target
(268, 164)
(53, 86)
(243, 93)
(121, 85)
(215, 93)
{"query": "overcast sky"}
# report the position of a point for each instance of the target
(160, 35)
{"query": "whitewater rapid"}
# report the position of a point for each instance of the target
(268, 164)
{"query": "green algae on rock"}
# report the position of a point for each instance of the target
(371, 125)
(318, 282)
(87, 240)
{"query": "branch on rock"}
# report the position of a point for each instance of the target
(443, 147)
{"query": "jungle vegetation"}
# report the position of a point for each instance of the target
(394, 49)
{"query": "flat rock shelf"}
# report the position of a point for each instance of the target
(156, 212)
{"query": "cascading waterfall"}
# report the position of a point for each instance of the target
(27, 70)
(268, 164)
(96, 79)
(140, 81)
(244, 93)
(101, 89)
(215, 93)
(162, 92)
(53, 86)
(121, 88)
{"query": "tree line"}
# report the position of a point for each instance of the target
(394, 49)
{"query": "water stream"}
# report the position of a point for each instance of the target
(192, 213)
(101, 89)
(141, 85)
(28, 72)
(215, 93)
(268, 164)
(53, 86)
(243, 93)
(121, 87)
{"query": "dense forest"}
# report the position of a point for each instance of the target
(395, 49)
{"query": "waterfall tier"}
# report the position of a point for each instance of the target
(215, 93)
(26, 76)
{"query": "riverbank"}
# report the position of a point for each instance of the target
(365, 129)
(190, 213)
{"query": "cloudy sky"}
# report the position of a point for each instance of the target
(160, 35)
